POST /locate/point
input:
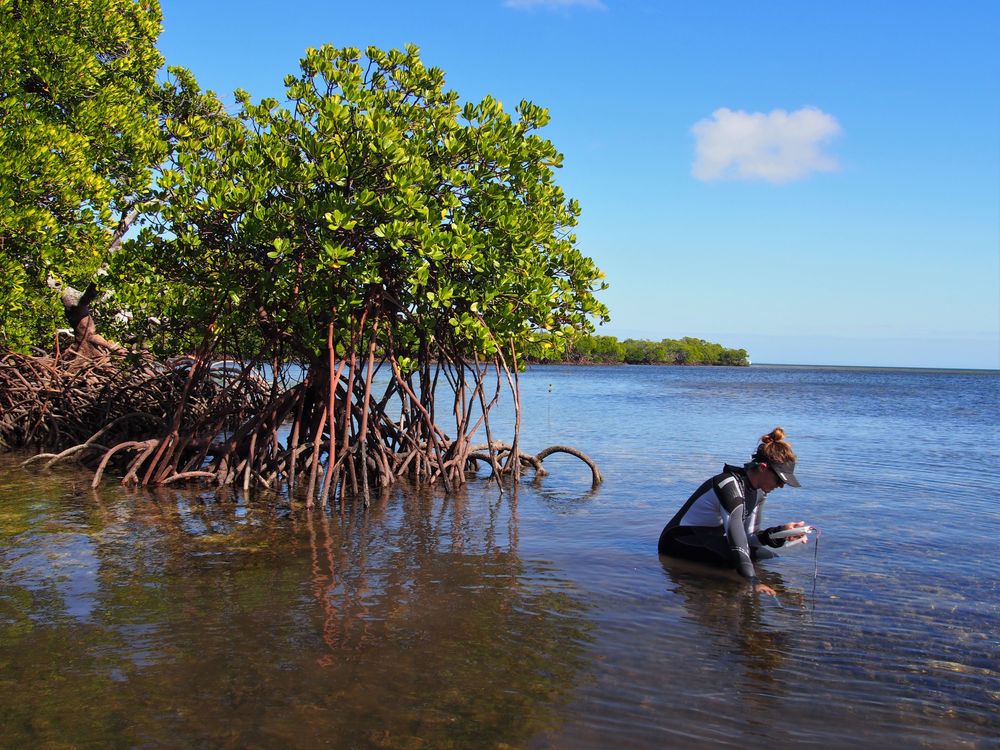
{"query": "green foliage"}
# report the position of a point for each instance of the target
(149, 280)
(608, 350)
(78, 135)
(373, 190)
(599, 348)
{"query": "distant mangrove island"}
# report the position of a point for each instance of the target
(587, 349)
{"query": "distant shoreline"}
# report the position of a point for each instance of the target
(592, 363)
(778, 365)
(586, 349)
(894, 368)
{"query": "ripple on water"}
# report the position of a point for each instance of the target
(543, 618)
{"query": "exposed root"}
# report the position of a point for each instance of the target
(327, 435)
(74, 451)
(147, 446)
(598, 478)
(187, 475)
(502, 450)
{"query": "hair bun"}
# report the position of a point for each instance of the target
(775, 436)
(773, 449)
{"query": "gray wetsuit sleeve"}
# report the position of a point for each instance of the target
(730, 494)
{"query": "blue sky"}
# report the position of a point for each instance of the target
(816, 182)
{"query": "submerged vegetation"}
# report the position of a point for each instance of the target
(371, 224)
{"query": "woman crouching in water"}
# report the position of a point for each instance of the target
(720, 522)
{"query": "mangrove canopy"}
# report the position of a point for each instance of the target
(356, 274)
(79, 136)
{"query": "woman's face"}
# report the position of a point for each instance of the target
(763, 478)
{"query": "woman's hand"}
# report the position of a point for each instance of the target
(796, 537)
(763, 588)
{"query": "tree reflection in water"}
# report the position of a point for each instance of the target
(415, 624)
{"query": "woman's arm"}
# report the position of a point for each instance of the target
(730, 493)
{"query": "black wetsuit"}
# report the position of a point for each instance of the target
(720, 524)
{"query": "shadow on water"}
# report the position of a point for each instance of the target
(166, 619)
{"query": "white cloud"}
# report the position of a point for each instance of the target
(554, 4)
(778, 146)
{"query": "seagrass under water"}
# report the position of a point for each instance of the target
(542, 618)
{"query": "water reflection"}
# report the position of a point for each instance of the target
(733, 617)
(238, 624)
(186, 622)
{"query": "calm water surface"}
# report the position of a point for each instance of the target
(543, 617)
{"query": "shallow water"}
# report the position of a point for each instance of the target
(542, 618)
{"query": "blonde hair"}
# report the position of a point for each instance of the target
(773, 449)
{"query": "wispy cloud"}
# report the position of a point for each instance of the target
(554, 4)
(777, 146)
